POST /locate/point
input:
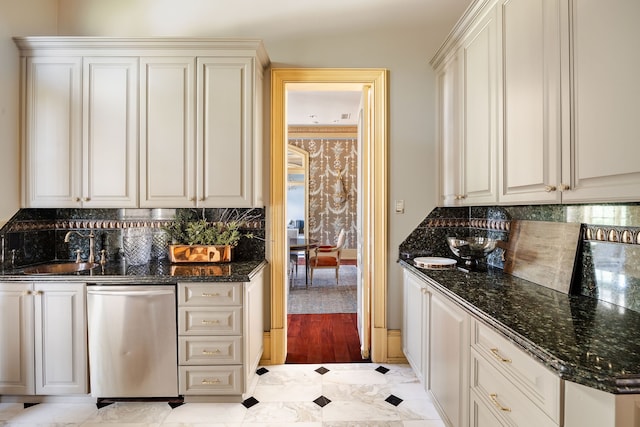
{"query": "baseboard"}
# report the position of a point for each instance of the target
(394, 347)
(266, 354)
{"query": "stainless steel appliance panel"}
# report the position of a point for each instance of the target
(132, 341)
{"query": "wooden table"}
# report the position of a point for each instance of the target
(300, 244)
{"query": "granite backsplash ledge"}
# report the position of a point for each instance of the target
(37, 235)
(610, 254)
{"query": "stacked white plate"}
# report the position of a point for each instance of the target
(434, 263)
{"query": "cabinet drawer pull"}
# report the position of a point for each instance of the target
(210, 322)
(205, 294)
(497, 354)
(210, 353)
(211, 382)
(494, 399)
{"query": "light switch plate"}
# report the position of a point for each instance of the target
(399, 206)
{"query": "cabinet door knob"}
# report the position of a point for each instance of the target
(78, 199)
(549, 188)
(564, 187)
(86, 199)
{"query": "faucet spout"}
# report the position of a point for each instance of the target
(92, 243)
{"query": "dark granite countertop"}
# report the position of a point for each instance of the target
(582, 339)
(153, 273)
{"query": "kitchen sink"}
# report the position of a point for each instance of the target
(60, 268)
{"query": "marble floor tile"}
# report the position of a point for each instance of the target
(314, 395)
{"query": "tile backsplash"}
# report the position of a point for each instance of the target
(37, 235)
(609, 257)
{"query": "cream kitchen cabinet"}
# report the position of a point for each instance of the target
(449, 359)
(201, 131)
(79, 127)
(415, 329)
(43, 344)
(600, 148)
(468, 122)
(530, 151)
(566, 96)
(219, 337)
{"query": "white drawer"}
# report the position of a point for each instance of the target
(210, 321)
(210, 380)
(532, 378)
(206, 350)
(504, 398)
(209, 294)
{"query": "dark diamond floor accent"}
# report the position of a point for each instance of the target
(174, 405)
(248, 403)
(382, 369)
(394, 400)
(29, 405)
(322, 401)
(322, 370)
(262, 371)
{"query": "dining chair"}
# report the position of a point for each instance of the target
(328, 256)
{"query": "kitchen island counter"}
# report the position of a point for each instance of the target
(162, 272)
(581, 339)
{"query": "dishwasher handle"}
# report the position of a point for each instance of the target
(130, 292)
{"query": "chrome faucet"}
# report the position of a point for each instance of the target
(92, 243)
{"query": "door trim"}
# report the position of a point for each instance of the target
(374, 265)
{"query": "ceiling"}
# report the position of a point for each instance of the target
(329, 105)
(323, 107)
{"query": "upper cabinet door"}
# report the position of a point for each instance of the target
(52, 132)
(167, 132)
(601, 160)
(530, 149)
(225, 131)
(110, 132)
(449, 144)
(479, 59)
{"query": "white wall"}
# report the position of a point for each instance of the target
(17, 18)
(308, 34)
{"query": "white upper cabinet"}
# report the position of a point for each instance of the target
(145, 122)
(80, 131)
(479, 60)
(567, 98)
(602, 150)
(52, 131)
(110, 132)
(468, 116)
(167, 132)
(530, 148)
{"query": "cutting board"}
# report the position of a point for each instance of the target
(543, 252)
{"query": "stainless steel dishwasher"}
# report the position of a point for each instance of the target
(132, 341)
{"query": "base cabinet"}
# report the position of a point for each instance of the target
(43, 345)
(415, 330)
(220, 328)
(449, 345)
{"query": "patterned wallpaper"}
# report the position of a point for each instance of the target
(333, 168)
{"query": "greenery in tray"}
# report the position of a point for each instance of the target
(190, 229)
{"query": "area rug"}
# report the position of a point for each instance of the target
(324, 296)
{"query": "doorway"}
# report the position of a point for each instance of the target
(372, 252)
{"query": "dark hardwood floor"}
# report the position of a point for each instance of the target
(323, 338)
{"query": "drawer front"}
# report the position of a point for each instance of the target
(210, 380)
(503, 398)
(538, 383)
(210, 350)
(210, 321)
(209, 294)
